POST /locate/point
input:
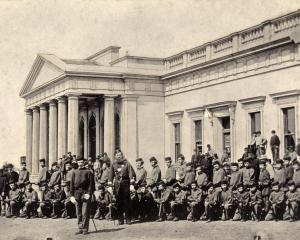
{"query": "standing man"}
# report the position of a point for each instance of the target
(122, 173)
(82, 187)
(274, 144)
(44, 175)
(155, 177)
(170, 175)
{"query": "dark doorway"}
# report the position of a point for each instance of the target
(92, 137)
(81, 138)
(117, 131)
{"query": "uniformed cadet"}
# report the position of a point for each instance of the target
(67, 172)
(30, 200)
(147, 209)
(170, 176)
(218, 175)
(121, 174)
(195, 202)
(296, 176)
(248, 174)
(82, 187)
(241, 199)
(279, 175)
(277, 201)
(235, 176)
(55, 178)
(58, 201)
(292, 202)
(23, 175)
(189, 177)
(45, 205)
(264, 185)
(11, 174)
(178, 204)
(274, 144)
(226, 200)
(44, 175)
(165, 196)
(241, 164)
(288, 168)
(103, 200)
(256, 202)
(70, 210)
(211, 203)
(141, 173)
(201, 178)
(155, 177)
(181, 170)
(14, 200)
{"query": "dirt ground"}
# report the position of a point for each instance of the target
(60, 229)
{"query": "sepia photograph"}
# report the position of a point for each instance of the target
(150, 119)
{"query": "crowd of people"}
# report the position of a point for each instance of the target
(206, 188)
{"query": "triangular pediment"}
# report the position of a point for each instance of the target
(45, 69)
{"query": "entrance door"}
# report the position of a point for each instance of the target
(92, 137)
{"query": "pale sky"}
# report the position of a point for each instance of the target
(77, 29)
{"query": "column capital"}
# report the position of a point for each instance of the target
(61, 99)
(28, 111)
(73, 95)
(52, 103)
(129, 97)
(35, 109)
(43, 106)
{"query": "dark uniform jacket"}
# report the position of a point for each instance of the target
(277, 197)
(58, 196)
(141, 175)
(82, 182)
(274, 141)
(235, 179)
(180, 197)
(280, 177)
(23, 176)
(55, 178)
(201, 180)
(264, 182)
(122, 172)
(248, 176)
(189, 178)
(104, 199)
(30, 195)
(226, 197)
(242, 198)
(13, 176)
(44, 175)
(213, 198)
(195, 196)
(255, 198)
(293, 196)
(155, 176)
(170, 176)
(218, 176)
(14, 195)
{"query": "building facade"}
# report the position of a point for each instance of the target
(218, 93)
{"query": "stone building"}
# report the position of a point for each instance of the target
(217, 93)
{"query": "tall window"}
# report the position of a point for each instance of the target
(289, 127)
(255, 119)
(198, 136)
(226, 133)
(177, 140)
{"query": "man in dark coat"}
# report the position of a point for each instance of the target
(122, 173)
(82, 186)
(274, 144)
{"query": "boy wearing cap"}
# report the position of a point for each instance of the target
(23, 175)
(30, 200)
(201, 178)
(163, 201)
(178, 204)
(195, 202)
(277, 201)
(241, 199)
(181, 169)
(288, 168)
(211, 202)
(14, 200)
(11, 174)
(58, 201)
(226, 199)
(45, 206)
(44, 175)
(264, 185)
(296, 176)
(235, 176)
(292, 202)
(141, 174)
(248, 174)
(103, 201)
(70, 210)
(55, 178)
(255, 202)
(147, 209)
(189, 175)
(279, 175)
(170, 176)
(155, 176)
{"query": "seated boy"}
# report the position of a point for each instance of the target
(178, 204)
(163, 201)
(58, 201)
(45, 205)
(242, 199)
(226, 199)
(277, 201)
(292, 202)
(264, 185)
(256, 203)
(195, 202)
(70, 210)
(235, 176)
(30, 200)
(146, 208)
(211, 202)
(103, 201)
(13, 201)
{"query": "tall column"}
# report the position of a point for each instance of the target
(43, 133)
(73, 122)
(97, 112)
(129, 127)
(52, 131)
(109, 125)
(29, 139)
(62, 127)
(35, 140)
